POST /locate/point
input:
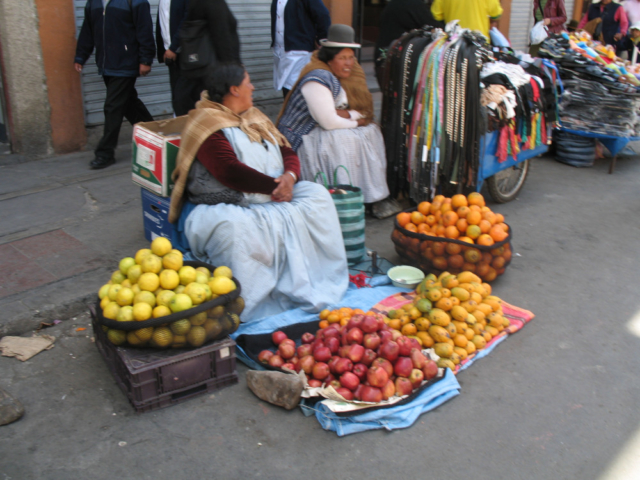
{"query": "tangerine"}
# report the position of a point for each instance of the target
(446, 207)
(476, 198)
(499, 218)
(435, 207)
(485, 225)
(409, 329)
(424, 229)
(323, 324)
(449, 218)
(463, 212)
(468, 267)
(485, 239)
(403, 218)
(417, 218)
(491, 275)
(456, 261)
(423, 208)
(438, 248)
(473, 231)
(498, 233)
(489, 216)
(411, 227)
(482, 269)
(439, 198)
(474, 218)
(472, 255)
(459, 200)
(452, 232)
(440, 230)
(462, 225)
(453, 248)
(440, 263)
(498, 263)
(430, 220)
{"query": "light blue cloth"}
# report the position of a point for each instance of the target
(391, 418)
(286, 255)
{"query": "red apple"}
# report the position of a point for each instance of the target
(350, 381)
(384, 363)
(264, 356)
(403, 386)
(308, 338)
(404, 346)
(314, 383)
(377, 376)
(372, 341)
(358, 393)
(333, 344)
(371, 394)
(356, 352)
(288, 365)
(430, 369)
(331, 332)
(389, 350)
(403, 367)
(343, 351)
(320, 371)
(389, 390)
(332, 363)
(306, 364)
(360, 370)
(276, 361)
(355, 321)
(355, 336)
(345, 393)
(320, 334)
(385, 336)
(329, 378)
(286, 350)
(322, 354)
(417, 357)
(334, 383)
(370, 324)
(416, 377)
(278, 337)
(343, 365)
(368, 357)
(395, 335)
(415, 344)
(304, 350)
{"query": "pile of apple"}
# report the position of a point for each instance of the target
(363, 360)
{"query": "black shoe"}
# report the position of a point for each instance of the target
(101, 162)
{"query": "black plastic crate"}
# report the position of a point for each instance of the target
(153, 379)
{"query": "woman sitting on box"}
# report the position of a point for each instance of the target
(237, 201)
(327, 117)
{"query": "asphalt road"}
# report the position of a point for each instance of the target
(557, 400)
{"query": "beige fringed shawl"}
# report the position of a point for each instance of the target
(355, 86)
(206, 119)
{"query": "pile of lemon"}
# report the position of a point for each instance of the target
(155, 283)
(456, 315)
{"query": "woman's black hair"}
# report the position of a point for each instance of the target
(326, 54)
(220, 78)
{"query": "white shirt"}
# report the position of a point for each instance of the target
(322, 107)
(164, 9)
(286, 65)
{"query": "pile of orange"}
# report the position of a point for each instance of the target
(466, 219)
(340, 315)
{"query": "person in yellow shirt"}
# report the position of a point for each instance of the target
(472, 14)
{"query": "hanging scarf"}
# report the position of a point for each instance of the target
(206, 119)
(355, 86)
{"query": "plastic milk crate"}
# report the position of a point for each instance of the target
(155, 215)
(153, 379)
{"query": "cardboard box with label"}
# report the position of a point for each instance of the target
(155, 152)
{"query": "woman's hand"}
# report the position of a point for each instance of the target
(547, 21)
(284, 191)
(362, 122)
(343, 113)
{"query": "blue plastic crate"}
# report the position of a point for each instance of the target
(155, 214)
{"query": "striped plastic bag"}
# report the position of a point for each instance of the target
(349, 202)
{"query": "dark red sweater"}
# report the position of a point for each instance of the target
(218, 156)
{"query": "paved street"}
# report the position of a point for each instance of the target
(558, 400)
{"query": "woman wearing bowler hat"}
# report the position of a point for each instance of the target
(328, 119)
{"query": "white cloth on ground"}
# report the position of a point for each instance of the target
(360, 149)
(286, 255)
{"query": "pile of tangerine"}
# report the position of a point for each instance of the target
(340, 316)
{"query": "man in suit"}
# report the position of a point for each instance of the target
(121, 31)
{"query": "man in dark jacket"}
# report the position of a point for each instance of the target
(296, 27)
(171, 13)
(121, 31)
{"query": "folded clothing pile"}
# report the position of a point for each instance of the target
(591, 106)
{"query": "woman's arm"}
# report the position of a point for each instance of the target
(561, 15)
(219, 158)
(322, 107)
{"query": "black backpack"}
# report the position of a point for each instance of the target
(196, 48)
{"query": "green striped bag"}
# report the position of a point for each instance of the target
(349, 203)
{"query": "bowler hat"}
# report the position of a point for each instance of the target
(572, 26)
(341, 36)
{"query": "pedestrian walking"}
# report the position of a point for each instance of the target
(121, 31)
(471, 14)
(297, 26)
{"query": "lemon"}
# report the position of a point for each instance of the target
(196, 292)
(180, 327)
(180, 303)
(124, 296)
(169, 279)
(142, 311)
(172, 260)
(223, 272)
(161, 311)
(145, 297)
(198, 318)
(179, 289)
(216, 312)
(207, 290)
(113, 291)
(221, 285)
(187, 275)
(117, 277)
(117, 337)
(149, 282)
(212, 327)
(202, 277)
(140, 254)
(196, 336)
(133, 274)
(161, 246)
(125, 314)
(126, 283)
(104, 291)
(162, 337)
(204, 270)
(164, 297)
(132, 339)
(135, 288)
(179, 341)
(111, 310)
(104, 302)
(144, 334)
(151, 263)
(237, 306)
(125, 263)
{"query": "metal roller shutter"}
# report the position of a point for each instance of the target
(254, 28)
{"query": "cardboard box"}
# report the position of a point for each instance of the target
(155, 151)
(155, 214)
